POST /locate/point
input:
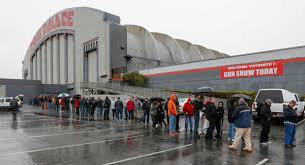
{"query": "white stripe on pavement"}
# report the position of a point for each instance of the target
(147, 155)
(23, 124)
(70, 133)
(262, 162)
(68, 146)
(300, 122)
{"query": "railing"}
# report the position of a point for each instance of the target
(130, 90)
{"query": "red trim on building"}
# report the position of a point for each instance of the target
(291, 60)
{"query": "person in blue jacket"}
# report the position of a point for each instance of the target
(242, 120)
(290, 121)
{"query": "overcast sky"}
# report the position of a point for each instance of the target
(230, 26)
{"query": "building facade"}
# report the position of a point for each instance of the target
(282, 68)
(88, 45)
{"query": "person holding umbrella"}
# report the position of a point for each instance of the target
(146, 111)
(242, 118)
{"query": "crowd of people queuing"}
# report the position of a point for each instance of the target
(166, 114)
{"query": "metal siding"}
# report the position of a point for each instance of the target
(293, 80)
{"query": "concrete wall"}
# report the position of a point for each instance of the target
(56, 57)
(29, 88)
(118, 45)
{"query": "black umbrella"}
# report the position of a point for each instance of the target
(157, 99)
(243, 96)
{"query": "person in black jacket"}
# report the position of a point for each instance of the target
(290, 121)
(107, 104)
(198, 105)
(166, 110)
(178, 116)
(99, 108)
(266, 116)
(146, 110)
(231, 129)
(219, 119)
(119, 106)
(211, 117)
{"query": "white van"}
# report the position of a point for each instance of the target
(280, 97)
(5, 102)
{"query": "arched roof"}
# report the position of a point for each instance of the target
(169, 49)
(140, 43)
(188, 50)
(206, 53)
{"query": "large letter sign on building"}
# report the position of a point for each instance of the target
(272, 68)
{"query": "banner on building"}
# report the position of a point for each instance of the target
(271, 68)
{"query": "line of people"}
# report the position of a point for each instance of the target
(195, 111)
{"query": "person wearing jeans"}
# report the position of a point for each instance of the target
(172, 113)
(198, 105)
(146, 111)
(113, 108)
(231, 129)
(107, 104)
(99, 108)
(290, 121)
(130, 108)
(188, 110)
(119, 106)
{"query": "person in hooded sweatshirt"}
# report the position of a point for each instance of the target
(211, 117)
(266, 116)
(219, 119)
(197, 105)
(242, 119)
(231, 129)
(188, 110)
(172, 113)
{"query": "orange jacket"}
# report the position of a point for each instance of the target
(171, 107)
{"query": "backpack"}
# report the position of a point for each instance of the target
(259, 109)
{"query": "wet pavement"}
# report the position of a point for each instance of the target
(36, 138)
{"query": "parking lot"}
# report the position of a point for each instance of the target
(42, 139)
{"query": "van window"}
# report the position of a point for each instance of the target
(8, 100)
(275, 95)
(297, 98)
(1, 100)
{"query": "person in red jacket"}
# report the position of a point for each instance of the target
(188, 110)
(130, 107)
(76, 105)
